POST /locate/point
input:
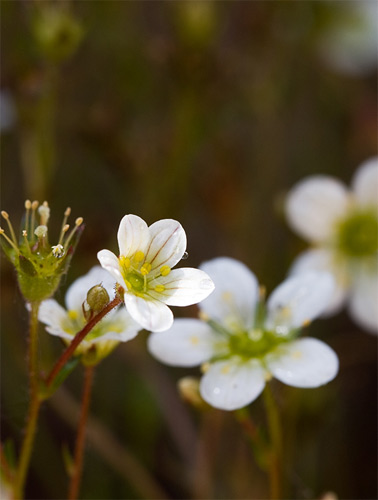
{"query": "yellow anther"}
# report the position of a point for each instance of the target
(128, 284)
(45, 204)
(28, 204)
(67, 212)
(267, 376)
(72, 314)
(24, 233)
(34, 205)
(5, 214)
(79, 221)
(202, 315)
(227, 296)
(125, 262)
(194, 340)
(65, 228)
(159, 288)
(225, 369)
(6, 217)
(1, 230)
(296, 354)
(205, 367)
(306, 322)
(262, 292)
(139, 256)
(165, 270)
(145, 269)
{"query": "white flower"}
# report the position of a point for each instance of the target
(117, 326)
(242, 342)
(143, 269)
(342, 226)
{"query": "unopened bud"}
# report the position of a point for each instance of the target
(97, 299)
(189, 391)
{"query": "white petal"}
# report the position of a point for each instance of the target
(229, 385)
(324, 260)
(110, 262)
(167, 244)
(52, 314)
(77, 292)
(365, 182)
(306, 362)
(150, 314)
(364, 301)
(120, 327)
(189, 342)
(183, 287)
(300, 299)
(133, 235)
(314, 205)
(234, 299)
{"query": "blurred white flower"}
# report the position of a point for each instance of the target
(242, 343)
(350, 45)
(342, 226)
(143, 269)
(117, 326)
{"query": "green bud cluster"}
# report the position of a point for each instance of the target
(39, 266)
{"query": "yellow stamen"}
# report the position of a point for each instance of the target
(9, 240)
(27, 215)
(6, 217)
(296, 354)
(139, 256)
(225, 369)
(205, 367)
(306, 322)
(34, 207)
(159, 288)
(44, 212)
(78, 222)
(145, 269)
(72, 314)
(165, 270)
(194, 340)
(262, 292)
(202, 315)
(25, 235)
(125, 262)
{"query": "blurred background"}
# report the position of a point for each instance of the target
(205, 112)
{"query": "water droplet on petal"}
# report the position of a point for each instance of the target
(185, 256)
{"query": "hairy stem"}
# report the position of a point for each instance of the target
(81, 431)
(34, 405)
(79, 337)
(275, 463)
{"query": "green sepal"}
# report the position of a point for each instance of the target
(26, 266)
(45, 392)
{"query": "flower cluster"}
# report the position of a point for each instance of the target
(117, 326)
(241, 342)
(144, 270)
(39, 265)
(342, 226)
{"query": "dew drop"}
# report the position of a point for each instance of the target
(185, 256)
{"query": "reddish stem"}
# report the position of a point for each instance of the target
(80, 438)
(79, 337)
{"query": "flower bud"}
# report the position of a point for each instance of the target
(97, 299)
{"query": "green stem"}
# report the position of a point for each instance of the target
(80, 438)
(34, 405)
(275, 465)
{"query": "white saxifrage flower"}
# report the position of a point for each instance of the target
(117, 326)
(242, 342)
(143, 269)
(342, 227)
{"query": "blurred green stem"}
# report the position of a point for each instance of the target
(275, 459)
(80, 438)
(34, 405)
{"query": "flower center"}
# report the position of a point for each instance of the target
(253, 344)
(358, 235)
(136, 273)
